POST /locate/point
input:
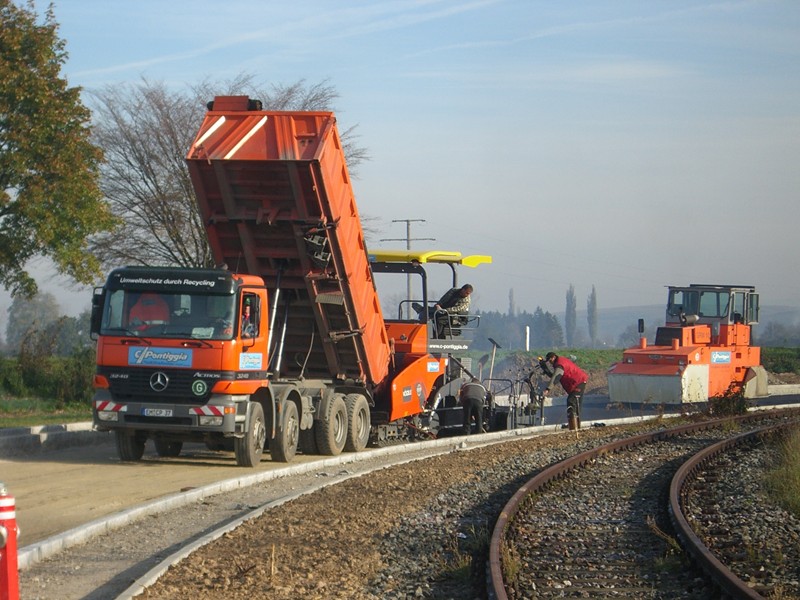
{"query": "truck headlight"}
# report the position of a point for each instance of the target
(108, 415)
(210, 421)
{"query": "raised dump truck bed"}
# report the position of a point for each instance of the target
(275, 196)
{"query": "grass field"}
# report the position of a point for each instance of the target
(26, 412)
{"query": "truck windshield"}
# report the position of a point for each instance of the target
(169, 315)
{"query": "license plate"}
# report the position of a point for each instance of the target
(157, 412)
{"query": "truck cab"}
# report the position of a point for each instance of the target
(177, 348)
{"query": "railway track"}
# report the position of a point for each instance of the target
(598, 524)
(750, 549)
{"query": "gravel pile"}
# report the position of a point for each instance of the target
(419, 530)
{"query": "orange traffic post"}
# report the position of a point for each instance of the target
(9, 577)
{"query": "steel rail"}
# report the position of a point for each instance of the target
(728, 581)
(496, 585)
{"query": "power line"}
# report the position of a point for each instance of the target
(408, 239)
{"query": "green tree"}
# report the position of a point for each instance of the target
(50, 200)
(546, 331)
(145, 130)
(591, 316)
(70, 334)
(571, 316)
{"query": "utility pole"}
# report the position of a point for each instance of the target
(408, 239)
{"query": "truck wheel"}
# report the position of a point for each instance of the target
(283, 446)
(130, 446)
(308, 441)
(249, 448)
(358, 422)
(223, 444)
(168, 449)
(332, 427)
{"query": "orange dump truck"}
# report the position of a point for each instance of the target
(703, 350)
(284, 346)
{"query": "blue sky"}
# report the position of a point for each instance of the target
(625, 145)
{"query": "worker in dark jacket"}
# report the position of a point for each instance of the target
(573, 379)
(472, 396)
(448, 310)
(454, 303)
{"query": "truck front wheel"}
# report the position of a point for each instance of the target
(130, 445)
(168, 449)
(248, 449)
(331, 429)
(283, 446)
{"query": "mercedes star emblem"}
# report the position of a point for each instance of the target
(159, 381)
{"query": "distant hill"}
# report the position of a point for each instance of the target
(611, 322)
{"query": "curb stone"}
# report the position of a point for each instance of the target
(24, 441)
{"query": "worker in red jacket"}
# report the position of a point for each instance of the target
(573, 379)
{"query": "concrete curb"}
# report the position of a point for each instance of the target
(25, 441)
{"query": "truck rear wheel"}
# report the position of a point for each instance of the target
(308, 441)
(248, 449)
(283, 446)
(358, 422)
(168, 449)
(331, 428)
(130, 445)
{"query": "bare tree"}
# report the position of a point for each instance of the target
(145, 130)
(28, 317)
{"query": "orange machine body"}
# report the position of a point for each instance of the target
(275, 197)
(703, 350)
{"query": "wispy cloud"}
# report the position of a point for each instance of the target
(315, 30)
(568, 29)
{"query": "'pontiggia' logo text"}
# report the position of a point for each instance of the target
(160, 357)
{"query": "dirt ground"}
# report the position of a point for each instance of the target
(783, 378)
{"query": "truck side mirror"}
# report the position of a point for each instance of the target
(98, 301)
(641, 327)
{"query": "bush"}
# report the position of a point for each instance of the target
(62, 380)
(75, 377)
(730, 403)
(781, 360)
(11, 379)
